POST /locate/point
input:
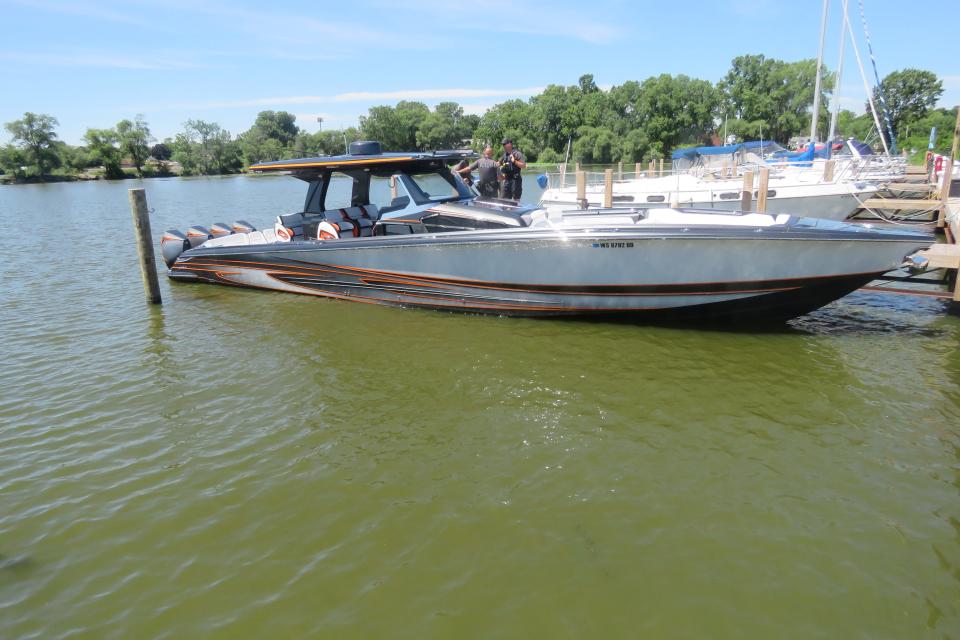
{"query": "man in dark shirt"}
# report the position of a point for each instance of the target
(488, 167)
(512, 162)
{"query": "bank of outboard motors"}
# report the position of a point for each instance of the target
(173, 242)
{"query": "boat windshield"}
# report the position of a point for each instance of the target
(436, 187)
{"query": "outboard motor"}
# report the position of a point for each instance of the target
(220, 229)
(172, 244)
(242, 226)
(197, 235)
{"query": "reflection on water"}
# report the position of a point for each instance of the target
(249, 464)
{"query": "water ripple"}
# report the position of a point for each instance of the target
(249, 464)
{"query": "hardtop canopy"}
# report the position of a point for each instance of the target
(418, 161)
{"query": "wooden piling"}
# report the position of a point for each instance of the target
(948, 180)
(581, 189)
(141, 228)
(620, 170)
(723, 169)
(608, 188)
(828, 171)
(393, 187)
(652, 168)
(578, 166)
(746, 195)
(563, 174)
(661, 166)
(762, 190)
(638, 169)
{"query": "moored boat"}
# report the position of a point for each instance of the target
(401, 229)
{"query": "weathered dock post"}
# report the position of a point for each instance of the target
(393, 187)
(563, 174)
(828, 170)
(637, 170)
(620, 170)
(948, 180)
(577, 166)
(141, 228)
(746, 195)
(608, 188)
(661, 166)
(762, 190)
(581, 189)
(653, 167)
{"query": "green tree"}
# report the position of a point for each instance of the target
(555, 116)
(635, 146)
(919, 133)
(271, 137)
(851, 125)
(587, 85)
(445, 127)
(596, 145)
(395, 127)
(908, 94)
(772, 97)
(511, 119)
(76, 159)
(135, 139)
(35, 135)
(330, 142)
(161, 152)
(206, 148)
(667, 111)
(104, 146)
(13, 161)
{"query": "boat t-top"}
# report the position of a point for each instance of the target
(402, 229)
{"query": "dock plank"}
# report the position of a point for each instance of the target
(920, 187)
(942, 256)
(913, 204)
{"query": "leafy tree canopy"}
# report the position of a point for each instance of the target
(35, 135)
(908, 94)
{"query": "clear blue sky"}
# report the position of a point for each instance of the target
(91, 63)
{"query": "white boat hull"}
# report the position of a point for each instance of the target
(768, 272)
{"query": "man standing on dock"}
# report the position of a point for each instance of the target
(511, 164)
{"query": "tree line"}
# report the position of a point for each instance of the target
(636, 121)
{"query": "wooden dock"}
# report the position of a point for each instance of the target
(946, 255)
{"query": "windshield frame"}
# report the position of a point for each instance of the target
(420, 197)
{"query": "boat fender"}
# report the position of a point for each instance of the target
(197, 235)
(283, 233)
(327, 230)
(220, 229)
(242, 226)
(172, 244)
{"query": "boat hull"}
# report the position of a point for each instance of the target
(642, 275)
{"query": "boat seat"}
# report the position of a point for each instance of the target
(361, 218)
(292, 221)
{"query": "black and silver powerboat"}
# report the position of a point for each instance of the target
(402, 229)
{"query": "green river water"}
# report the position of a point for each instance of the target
(246, 464)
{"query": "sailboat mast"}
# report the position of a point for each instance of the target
(816, 88)
(836, 86)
